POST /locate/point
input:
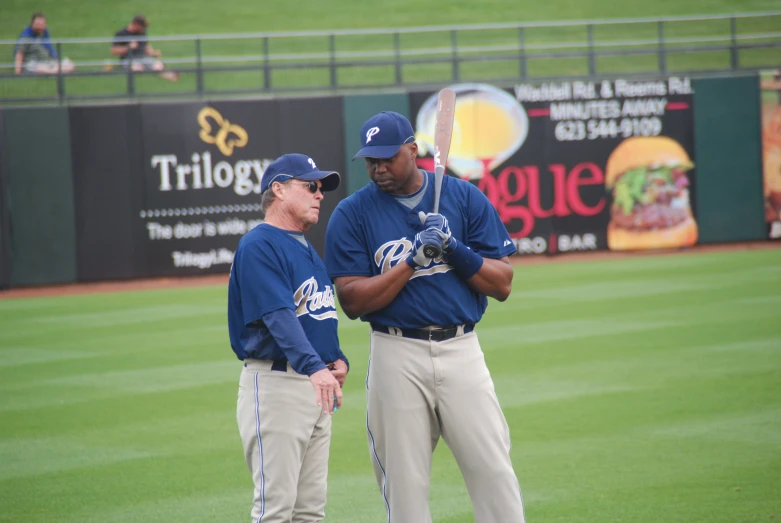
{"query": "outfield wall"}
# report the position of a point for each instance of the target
(5, 216)
(91, 193)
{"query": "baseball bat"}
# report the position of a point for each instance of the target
(443, 132)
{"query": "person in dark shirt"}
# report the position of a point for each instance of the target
(283, 326)
(34, 52)
(133, 49)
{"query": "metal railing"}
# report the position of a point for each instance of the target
(348, 60)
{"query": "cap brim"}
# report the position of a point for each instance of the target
(330, 179)
(378, 151)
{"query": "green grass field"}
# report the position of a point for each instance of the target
(92, 18)
(637, 390)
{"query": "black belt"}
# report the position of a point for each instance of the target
(424, 334)
(281, 365)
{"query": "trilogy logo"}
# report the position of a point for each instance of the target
(371, 132)
(202, 173)
(308, 300)
(228, 135)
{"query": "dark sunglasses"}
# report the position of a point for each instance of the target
(312, 186)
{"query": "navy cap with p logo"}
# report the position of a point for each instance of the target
(299, 166)
(383, 134)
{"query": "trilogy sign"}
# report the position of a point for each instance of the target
(243, 176)
(203, 167)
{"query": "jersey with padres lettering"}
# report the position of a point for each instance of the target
(273, 270)
(371, 231)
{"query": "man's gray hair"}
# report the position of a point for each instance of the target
(266, 200)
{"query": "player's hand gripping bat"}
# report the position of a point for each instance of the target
(443, 132)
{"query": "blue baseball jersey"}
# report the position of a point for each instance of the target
(370, 232)
(272, 270)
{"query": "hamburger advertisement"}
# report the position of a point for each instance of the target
(575, 165)
(651, 207)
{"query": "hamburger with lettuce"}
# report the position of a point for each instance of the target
(650, 209)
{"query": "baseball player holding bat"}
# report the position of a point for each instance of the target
(427, 375)
(283, 324)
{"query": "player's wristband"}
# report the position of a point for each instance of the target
(420, 262)
(411, 262)
(465, 261)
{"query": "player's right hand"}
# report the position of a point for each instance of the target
(438, 223)
(449, 243)
(328, 393)
(417, 258)
(434, 221)
(339, 371)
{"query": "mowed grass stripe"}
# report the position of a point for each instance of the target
(43, 456)
(76, 388)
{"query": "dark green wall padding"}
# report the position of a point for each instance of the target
(40, 196)
(728, 149)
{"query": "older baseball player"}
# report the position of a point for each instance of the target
(427, 375)
(283, 325)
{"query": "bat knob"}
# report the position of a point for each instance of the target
(431, 251)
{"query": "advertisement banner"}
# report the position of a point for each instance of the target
(576, 165)
(770, 85)
(203, 166)
(107, 157)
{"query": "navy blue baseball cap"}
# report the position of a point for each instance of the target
(383, 135)
(300, 167)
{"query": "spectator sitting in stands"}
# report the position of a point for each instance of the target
(135, 52)
(34, 52)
